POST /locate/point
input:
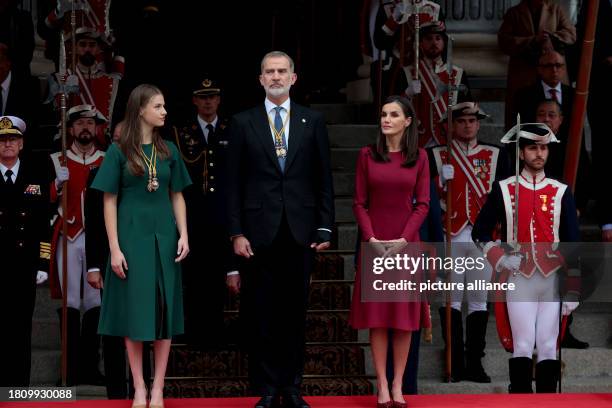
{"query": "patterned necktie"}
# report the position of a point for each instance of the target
(9, 177)
(554, 96)
(280, 146)
(211, 133)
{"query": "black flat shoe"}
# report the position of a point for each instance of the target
(294, 401)
(268, 401)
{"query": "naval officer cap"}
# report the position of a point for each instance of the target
(12, 126)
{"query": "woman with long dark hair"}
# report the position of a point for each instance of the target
(391, 202)
(142, 177)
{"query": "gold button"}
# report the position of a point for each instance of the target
(212, 177)
(210, 152)
(212, 190)
(211, 164)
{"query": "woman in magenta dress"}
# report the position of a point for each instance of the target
(391, 202)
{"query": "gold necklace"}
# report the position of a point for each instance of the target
(281, 149)
(151, 163)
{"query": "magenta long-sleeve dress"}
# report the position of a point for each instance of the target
(390, 202)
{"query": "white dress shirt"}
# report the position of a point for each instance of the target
(14, 169)
(283, 113)
(204, 123)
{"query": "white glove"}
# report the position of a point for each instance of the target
(447, 173)
(41, 277)
(510, 262)
(414, 88)
(568, 307)
(62, 175)
(398, 12)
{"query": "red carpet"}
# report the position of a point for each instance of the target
(417, 401)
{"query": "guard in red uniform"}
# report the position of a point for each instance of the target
(73, 172)
(534, 264)
(473, 167)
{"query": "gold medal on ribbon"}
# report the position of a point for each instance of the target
(544, 199)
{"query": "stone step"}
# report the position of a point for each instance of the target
(344, 210)
(45, 368)
(209, 388)
(347, 236)
(336, 113)
(590, 363)
(499, 385)
(495, 110)
(353, 135)
(344, 159)
(344, 183)
(320, 359)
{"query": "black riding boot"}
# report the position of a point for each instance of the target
(475, 333)
(521, 375)
(547, 376)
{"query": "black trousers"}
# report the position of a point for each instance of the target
(273, 307)
(16, 310)
(204, 272)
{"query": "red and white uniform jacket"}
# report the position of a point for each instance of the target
(539, 220)
(475, 171)
(79, 168)
(97, 88)
(89, 13)
(432, 102)
(547, 216)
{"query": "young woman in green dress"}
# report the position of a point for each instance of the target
(142, 178)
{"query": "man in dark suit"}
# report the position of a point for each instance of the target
(19, 91)
(203, 143)
(551, 71)
(24, 250)
(281, 211)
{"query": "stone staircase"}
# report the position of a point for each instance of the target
(338, 360)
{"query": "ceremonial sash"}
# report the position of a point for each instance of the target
(467, 169)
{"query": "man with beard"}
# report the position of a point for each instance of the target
(530, 259)
(203, 144)
(430, 89)
(471, 168)
(96, 85)
(281, 211)
(72, 172)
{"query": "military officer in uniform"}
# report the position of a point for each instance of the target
(24, 250)
(533, 262)
(73, 171)
(203, 143)
(473, 167)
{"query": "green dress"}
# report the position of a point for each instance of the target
(148, 304)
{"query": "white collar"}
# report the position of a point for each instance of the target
(548, 88)
(6, 83)
(539, 177)
(204, 123)
(14, 169)
(271, 105)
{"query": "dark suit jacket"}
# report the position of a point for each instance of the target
(527, 100)
(24, 221)
(259, 193)
(23, 101)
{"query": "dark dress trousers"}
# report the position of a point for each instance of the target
(280, 213)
